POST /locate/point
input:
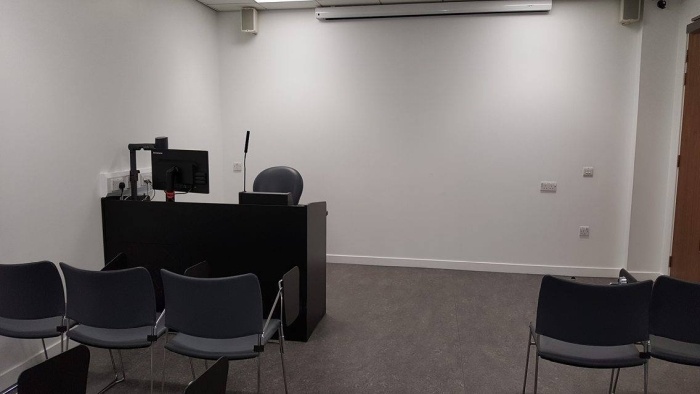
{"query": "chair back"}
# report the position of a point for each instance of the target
(31, 291)
(212, 381)
(110, 299)
(675, 310)
(65, 373)
(199, 270)
(595, 315)
(215, 308)
(290, 290)
(280, 180)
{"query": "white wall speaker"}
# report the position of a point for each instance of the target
(249, 20)
(630, 11)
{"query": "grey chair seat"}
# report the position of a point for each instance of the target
(212, 349)
(30, 328)
(107, 338)
(675, 351)
(589, 356)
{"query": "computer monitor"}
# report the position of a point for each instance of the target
(180, 170)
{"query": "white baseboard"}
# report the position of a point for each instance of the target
(511, 268)
(9, 377)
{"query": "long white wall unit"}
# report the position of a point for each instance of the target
(425, 9)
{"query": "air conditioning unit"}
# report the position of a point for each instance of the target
(630, 11)
(424, 9)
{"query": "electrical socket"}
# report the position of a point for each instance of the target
(113, 183)
(548, 186)
(237, 167)
(583, 231)
(588, 172)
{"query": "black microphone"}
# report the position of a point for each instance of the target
(245, 154)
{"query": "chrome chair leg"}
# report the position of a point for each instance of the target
(284, 372)
(537, 364)
(43, 343)
(192, 369)
(206, 364)
(258, 373)
(617, 376)
(527, 360)
(162, 384)
(10, 389)
(116, 380)
(612, 378)
(646, 376)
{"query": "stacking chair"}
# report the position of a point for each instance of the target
(280, 180)
(217, 317)
(591, 326)
(32, 304)
(66, 374)
(112, 310)
(212, 381)
(674, 322)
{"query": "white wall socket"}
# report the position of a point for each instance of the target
(548, 186)
(583, 231)
(588, 172)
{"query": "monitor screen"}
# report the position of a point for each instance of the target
(189, 170)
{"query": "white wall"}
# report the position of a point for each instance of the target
(660, 108)
(79, 80)
(429, 136)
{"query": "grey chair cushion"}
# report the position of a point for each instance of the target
(123, 338)
(212, 349)
(30, 328)
(675, 351)
(589, 356)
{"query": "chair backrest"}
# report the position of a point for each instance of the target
(212, 381)
(213, 307)
(290, 289)
(199, 270)
(31, 291)
(675, 310)
(596, 315)
(65, 373)
(110, 299)
(280, 180)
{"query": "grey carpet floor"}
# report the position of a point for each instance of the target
(407, 330)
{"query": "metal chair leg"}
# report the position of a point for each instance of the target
(43, 343)
(537, 364)
(116, 380)
(258, 373)
(284, 372)
(612, 378)
(527, 359)
(151, 351)
(206, 364)
(646, 376)
(10, 389)
(162, 384)
(192, 368)
(617, 376)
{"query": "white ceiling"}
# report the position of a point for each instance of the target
(236, 5)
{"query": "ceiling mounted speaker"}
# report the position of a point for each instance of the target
(630, 11)
(249, 20)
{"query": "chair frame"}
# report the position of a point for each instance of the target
(152, 338)
(534, 340)
(259, 348)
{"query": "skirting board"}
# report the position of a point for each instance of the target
(9, 378)
(511, 268)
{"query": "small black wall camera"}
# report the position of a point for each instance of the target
(661, 4)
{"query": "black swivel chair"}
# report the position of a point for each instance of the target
(66, 374)
(674, 324)
(280, 180)
(591, 326)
